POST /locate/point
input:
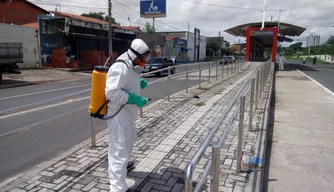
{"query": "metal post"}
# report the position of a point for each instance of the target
(141, 109)
(200, 76)
(187, 79)
(168, 84)
(110, 32)
(188, 183)
(251, 104)
(215, 169)
(217, 70)
(257, 88)
(223, 70)
(210, 72)
(93, 129)
(261, 79)
(240, 133)
(228, 63)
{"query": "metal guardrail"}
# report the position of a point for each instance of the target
(213, 164)
(207, 66)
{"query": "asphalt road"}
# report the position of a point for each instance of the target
(324, 74)
(38, 122)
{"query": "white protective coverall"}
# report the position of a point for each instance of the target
(281, 61)
(122, 128)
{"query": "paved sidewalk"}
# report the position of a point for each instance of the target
(302, 149)
(167, 138)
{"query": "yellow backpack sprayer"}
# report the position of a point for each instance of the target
(98, 103)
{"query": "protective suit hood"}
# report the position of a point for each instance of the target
(139, 46)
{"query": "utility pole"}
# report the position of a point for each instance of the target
(264, 13)
(279, 19)
(220, 51)
(153, 23)
(129, 21)
(110, 32)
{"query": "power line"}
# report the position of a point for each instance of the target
(139, 13)
(230, 7)
(97, 9)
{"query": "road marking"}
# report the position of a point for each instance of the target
(316, 82)
(44, 107)
(18, 108)
(25, 128)
(48, 91)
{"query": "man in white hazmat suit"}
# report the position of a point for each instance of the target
(281, 61)
(123, 85)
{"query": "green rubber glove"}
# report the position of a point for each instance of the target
(143, 83)
(137, 100)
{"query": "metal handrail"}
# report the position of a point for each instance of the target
(199, 153)
(215, 161)
(174, 66)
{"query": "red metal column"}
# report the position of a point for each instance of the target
(274, 44)
(248, 44)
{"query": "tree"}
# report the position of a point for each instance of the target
(106, 18)
(213, 47)
(99, 16)
(95, 15)
(296, 47)
(149, 28)
(330, 41)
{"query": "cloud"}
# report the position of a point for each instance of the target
(315, 15)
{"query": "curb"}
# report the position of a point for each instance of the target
(316, 82)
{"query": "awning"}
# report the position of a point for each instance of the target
(185, 49)
(286, 29)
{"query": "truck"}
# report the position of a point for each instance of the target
(10, 55)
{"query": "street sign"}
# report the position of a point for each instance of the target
(152, 8)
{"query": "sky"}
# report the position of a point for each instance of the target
(212, 16)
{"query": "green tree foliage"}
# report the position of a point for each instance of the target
(296, 47)
(100, 16)
(214, 46)
(149, 28)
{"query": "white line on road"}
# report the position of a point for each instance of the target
(45, 107)
(25, 128)
(52, 90)
(316, 82)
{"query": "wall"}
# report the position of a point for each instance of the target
(327, 58)
(169, 50)
(152, 40)
(26, 35)
(18, 12)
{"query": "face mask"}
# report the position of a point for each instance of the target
(138, 69)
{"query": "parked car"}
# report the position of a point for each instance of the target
(227, 59)
(156, 63)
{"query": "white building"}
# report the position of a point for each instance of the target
(190, 37)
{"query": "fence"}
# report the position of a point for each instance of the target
(213, 165)
(231, 68)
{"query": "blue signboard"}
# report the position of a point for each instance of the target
(180, 42)
(152, 8)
